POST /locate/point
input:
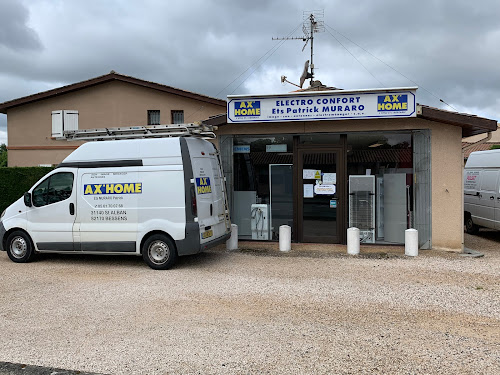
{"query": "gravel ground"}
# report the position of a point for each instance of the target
(256, 313)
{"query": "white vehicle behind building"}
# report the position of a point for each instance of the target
(159, 198)
(482, 191)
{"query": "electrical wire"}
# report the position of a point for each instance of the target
(275, 48)
(334, 37)
(383, 62)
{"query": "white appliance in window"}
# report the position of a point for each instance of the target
(380, 208)
(362, 206)
(259, 221)
(240, 215)
(395, 207)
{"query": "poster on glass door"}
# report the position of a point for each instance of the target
(324, 189)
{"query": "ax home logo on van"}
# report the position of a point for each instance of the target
(392, 103)
(102, 189)
(203, 185)
(247, 108)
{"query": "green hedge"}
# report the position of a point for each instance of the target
(15, 181)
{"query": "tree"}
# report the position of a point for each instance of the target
(3, 155)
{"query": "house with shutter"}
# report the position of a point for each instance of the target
(110, 100)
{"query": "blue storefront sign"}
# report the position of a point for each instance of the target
(328, 105)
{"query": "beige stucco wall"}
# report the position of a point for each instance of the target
(109, 104)
(447, 192)
(446, 158)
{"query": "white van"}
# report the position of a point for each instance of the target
(159, 198)
(482, 191)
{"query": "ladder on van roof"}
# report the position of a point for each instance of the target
(220, 171)
(134, 132)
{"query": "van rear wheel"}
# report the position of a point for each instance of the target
(19, 247)
(470, 227)
(159, 252)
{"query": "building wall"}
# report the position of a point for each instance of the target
(446, 168)
(109, 104)
(447, 192)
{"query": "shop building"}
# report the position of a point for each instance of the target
(324, 161)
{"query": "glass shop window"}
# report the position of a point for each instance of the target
(263, 174)
(380, 185)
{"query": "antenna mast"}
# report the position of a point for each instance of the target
(311, 25)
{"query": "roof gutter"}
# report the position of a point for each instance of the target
(480, 142)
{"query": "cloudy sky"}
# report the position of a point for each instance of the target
(450, 49)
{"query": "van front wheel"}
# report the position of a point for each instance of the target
(159, 252)
(19, 247)
(470, 227)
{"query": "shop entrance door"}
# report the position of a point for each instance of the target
(320, 199)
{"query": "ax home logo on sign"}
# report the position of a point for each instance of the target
(247, 108)
(392, 103)
(203, 185)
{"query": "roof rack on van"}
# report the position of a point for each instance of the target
(134, 132)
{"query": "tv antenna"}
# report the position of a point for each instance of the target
(312, 24)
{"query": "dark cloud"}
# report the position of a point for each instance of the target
(450, 49)
(14, 32)
(446, 48)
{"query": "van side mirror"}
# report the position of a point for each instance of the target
(27, 199)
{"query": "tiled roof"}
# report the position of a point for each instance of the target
(481, 147)
(356, 156)
(112, 76)
(380, 155)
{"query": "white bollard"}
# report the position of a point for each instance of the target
(285, 238)
(353, 241)
(232, 242)
(411, 242)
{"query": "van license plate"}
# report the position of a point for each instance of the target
(207, 234)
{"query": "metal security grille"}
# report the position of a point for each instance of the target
(153, 117)
(422, 186)
(362, 206)
(360, 210)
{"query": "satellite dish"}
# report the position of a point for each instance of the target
(307, 41)
(305, 74)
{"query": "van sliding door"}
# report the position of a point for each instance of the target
(107, 212)
(488, 194)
